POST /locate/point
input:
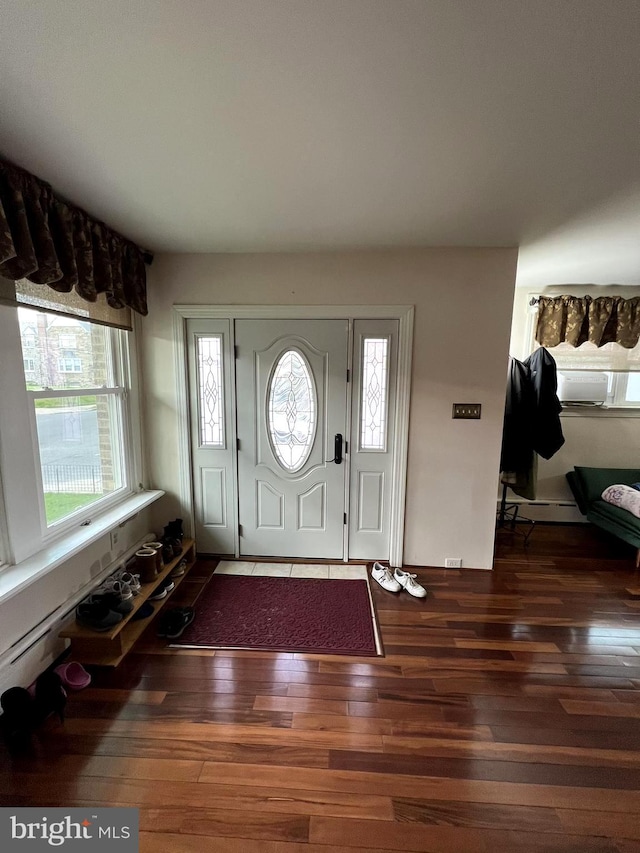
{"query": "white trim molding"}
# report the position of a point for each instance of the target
(182, 413)
(401, 440)
(403, 313)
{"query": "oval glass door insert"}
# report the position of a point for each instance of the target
(291, 410)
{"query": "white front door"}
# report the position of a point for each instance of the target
(291, 380)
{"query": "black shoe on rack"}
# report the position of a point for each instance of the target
(162, 590)
(97, 616)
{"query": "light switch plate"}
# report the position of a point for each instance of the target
(466, 410)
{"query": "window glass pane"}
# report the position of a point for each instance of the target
(373, 400)
(210, 391)
(80, 451)
(633, 388)
(63, 353)
(291, 411)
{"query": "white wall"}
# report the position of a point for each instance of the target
(463, 300)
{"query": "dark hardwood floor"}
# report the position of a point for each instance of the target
(504, 716)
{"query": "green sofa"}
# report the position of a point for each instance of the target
(588, 484)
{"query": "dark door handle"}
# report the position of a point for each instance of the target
(337, 449)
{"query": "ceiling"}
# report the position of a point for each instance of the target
(291, 125)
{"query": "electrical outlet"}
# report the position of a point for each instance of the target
(453, 563)
(467, 410)
(115, 536)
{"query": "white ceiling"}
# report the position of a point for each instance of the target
(270, 125)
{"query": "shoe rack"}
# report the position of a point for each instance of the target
(108, 648)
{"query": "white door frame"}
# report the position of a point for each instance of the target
(402, 313)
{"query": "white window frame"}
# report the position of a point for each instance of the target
(618, 379)
(27, 530)
(118, 356)
(5, 554)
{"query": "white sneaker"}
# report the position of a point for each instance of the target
(117, 587)
(385, 578)
(409, 582)
(132, 581)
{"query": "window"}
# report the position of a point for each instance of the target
(70, 364)
(632, 390)
(210, 390)
(29, 365)
(67, 341)
(291, 410)
(80, 422)
(373, 394)
(621, 366)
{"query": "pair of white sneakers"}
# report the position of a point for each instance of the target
(122, 583)
(397, 580)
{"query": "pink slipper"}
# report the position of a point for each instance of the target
(73, 675)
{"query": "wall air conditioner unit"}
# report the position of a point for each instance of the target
(581, 387)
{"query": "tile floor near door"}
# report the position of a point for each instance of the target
(292, 570)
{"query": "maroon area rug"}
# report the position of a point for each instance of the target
(283, 614)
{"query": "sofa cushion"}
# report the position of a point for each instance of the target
(617, 521)
(592, 482)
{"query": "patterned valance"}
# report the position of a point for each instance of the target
(51, 242)
(577, 319)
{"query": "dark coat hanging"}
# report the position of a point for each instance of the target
(519, 412)
(531, 420)
(546, 428)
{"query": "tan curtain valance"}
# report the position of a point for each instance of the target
(51, 242)
(577, 319)
(29, 295)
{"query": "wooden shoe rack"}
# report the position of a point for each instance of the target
(108, 648)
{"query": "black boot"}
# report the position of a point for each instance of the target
(18, 719)
(50, 697)
(171, 539)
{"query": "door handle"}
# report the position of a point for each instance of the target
(337, 449)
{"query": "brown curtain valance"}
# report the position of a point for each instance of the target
(577, 319)
(50, 241)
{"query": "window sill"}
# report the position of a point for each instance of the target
(16, 578)
(600, 412)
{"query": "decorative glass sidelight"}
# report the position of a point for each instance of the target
(373, 401)
(210, 390)
(291, 410)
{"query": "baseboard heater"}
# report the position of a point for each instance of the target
(558, 511)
